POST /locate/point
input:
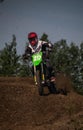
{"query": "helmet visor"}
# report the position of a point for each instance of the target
(32, 39)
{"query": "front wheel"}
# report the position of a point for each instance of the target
(39, 84)
(52, 88)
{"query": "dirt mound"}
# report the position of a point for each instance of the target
(21, 107)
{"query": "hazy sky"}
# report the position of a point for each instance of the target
(57, 18)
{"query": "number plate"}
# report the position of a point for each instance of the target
(37, 58)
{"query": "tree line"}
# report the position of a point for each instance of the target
(67, 59)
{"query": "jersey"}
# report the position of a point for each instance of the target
(30, 49)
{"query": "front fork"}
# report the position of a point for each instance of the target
(42, 74)
(35, 78)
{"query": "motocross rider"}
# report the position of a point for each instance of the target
(36, 45)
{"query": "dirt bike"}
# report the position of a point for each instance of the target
(40, 73)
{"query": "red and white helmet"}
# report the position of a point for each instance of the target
(33, 38)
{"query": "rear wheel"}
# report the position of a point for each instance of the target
(39, 84)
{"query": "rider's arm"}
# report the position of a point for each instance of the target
(47, 45)
(27, 52)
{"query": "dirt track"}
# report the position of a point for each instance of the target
(21, 107)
